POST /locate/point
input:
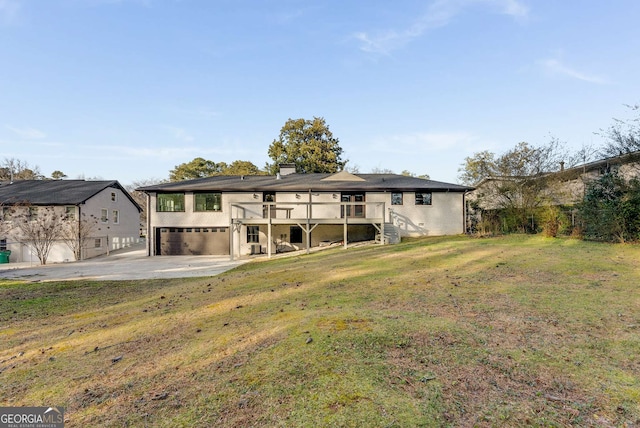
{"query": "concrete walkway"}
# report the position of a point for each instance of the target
(127, 264)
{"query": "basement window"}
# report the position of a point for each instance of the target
(253, 234)
(295, 232)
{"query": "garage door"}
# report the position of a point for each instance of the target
(191, 241)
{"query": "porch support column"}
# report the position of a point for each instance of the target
(269, 234)
(231, 230)
(344, 233)
(382, 220)
(309, 213)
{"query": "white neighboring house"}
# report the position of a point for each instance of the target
(242, 215)
(106, 205)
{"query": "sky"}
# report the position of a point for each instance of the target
(129, 89)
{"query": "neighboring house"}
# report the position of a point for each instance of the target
(113, 216)
(574, 181)
(240, 215)
(565, 187)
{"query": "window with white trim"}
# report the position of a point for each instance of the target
(104, 215)
(115, 216)
(253, 234)
(33, 213)
(70, 213)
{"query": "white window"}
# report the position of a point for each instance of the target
(33, 213)
(6, 213)
(98, 242)
(115, 216)
(70, 213)
(104, 216)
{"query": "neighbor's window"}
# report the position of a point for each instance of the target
(115, 216)
(253, 234)
(114, 197)
(98, 243)
(3, 244)
(104, 215)
(296, 234)
(423, 198)
(70, 213)
(170, 202)
(6, 213)
(208, 201)
(396, 198)
(33, 213)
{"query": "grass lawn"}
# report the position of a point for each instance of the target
(456, 331)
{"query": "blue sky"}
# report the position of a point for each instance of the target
(128, 89)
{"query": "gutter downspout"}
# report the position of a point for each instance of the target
(149, 236)
(308, 231)
(464, 211)
(79, 232)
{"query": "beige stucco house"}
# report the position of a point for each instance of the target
(112, 215)
(241, 215)
(566, 186)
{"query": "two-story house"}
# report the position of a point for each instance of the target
(102, 214)
(240, 215)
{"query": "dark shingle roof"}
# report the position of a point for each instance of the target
(306, 182)
(54, 192)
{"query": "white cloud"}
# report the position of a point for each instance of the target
(555, 67)
(439, 14)
(180, 134)
(27, 133)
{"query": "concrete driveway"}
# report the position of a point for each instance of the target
(124, 264)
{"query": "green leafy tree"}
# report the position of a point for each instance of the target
(408, 173)
(477, 167)
(610, 210)
(58, 175)
(197, 168)
(201, 168)
(309, 144)
(239, 167)
(519, 185)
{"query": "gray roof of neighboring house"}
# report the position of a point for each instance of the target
(55, 192)
(340, 182)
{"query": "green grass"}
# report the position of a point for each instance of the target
(456, 331)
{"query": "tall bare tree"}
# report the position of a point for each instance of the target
(16, 169)
(519, 183)
(76, 233)
(38, 228)
(623, 136)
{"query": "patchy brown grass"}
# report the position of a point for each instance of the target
(461, 332)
